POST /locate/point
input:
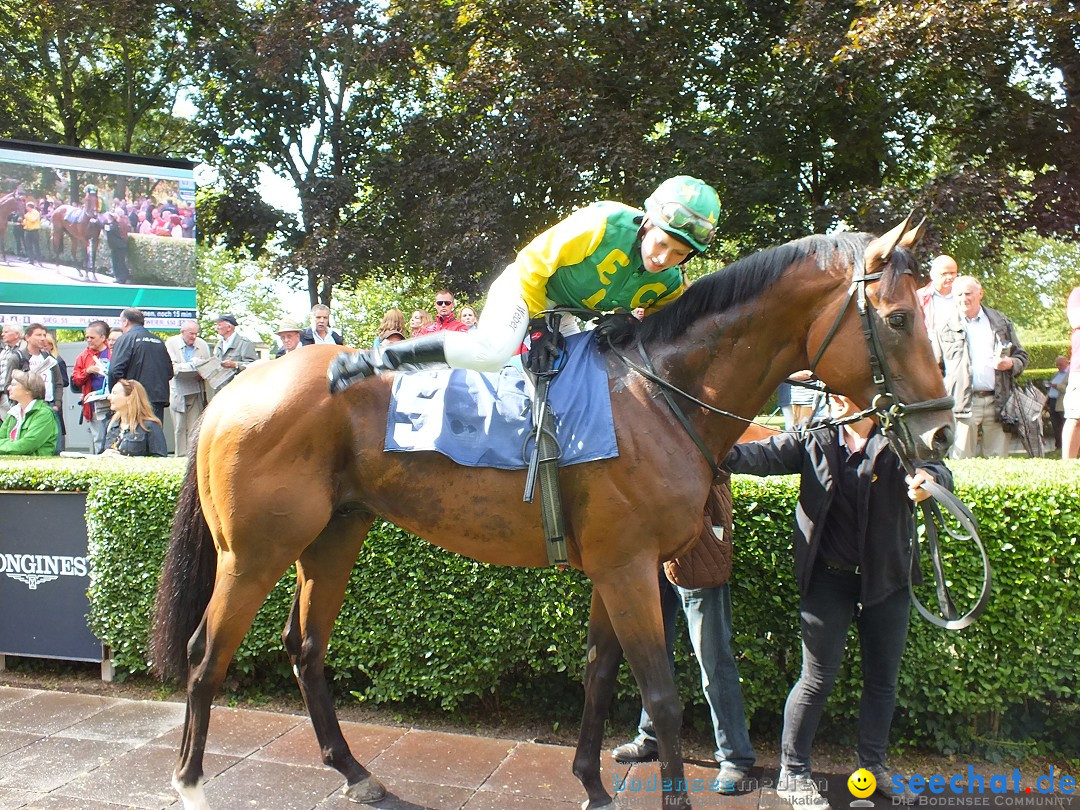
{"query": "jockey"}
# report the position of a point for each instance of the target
(607, 256)
(91, 205)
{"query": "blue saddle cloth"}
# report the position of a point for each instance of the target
(482, 420)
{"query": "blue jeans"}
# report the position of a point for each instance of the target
(826, 612)
(708, 617)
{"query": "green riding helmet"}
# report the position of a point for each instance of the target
(687, 208)
(91, 189)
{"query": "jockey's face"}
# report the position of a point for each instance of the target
(661, 251)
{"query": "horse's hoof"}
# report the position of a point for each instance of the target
(192, 797)
(366, 791)
(613, 804)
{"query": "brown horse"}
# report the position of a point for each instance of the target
(9, 203)
(83, 236)
(729, 340)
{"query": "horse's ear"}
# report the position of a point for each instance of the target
(880, 250)
(915, 235)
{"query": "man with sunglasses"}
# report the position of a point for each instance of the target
(605, 257)
(444, 316)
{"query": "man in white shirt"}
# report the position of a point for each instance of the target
(320, 331)
(187, 395)
(980, 354)
(936, 298)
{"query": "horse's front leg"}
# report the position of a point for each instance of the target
(631, 595)
(88, 262)
(601, 668)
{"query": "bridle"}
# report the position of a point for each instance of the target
(889, 409)
(891, 412)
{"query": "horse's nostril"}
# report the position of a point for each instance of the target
(943, 439)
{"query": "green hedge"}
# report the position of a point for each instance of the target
(420, 623)
(1044, 354)
(161, 260)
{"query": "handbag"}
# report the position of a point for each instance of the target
(1021, 414)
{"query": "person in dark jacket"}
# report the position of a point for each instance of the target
(320, 331)
(853, 525)
(141, 355)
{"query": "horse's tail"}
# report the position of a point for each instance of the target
(187, 581)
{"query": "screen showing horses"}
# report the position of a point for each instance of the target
(84, 234)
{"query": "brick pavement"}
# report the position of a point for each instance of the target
(63, 751)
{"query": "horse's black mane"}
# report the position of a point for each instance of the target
(738, 282)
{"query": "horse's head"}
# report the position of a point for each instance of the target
(879, 318)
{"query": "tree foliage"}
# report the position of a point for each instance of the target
(102, 75)
(434, 139)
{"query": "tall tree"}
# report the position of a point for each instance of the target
(297, 87)
(522, 111)
(103, 75)
(995, 88)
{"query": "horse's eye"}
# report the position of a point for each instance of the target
(898, 320)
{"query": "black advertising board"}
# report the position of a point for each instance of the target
(44, 576)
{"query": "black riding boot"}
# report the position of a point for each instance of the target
(351, 367)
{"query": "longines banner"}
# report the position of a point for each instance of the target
(44, 574)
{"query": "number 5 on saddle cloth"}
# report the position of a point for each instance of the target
(545, 358)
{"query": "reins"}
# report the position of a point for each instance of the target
(890, 412)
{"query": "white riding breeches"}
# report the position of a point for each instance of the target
(501, 328)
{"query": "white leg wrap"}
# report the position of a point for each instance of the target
(194, 797)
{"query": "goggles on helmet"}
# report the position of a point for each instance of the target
(677, 216)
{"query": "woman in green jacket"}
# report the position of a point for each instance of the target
(30, 428)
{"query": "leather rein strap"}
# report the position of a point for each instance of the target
(664, 386)
(932, 518)
(891, 412)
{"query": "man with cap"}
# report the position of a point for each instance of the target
(289, 332)
(233, 350)
(187, 393)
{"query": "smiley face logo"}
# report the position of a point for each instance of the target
(861, 783)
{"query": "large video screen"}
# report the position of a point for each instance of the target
(84, 234)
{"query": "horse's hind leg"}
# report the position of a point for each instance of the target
(601, 668)
(322, 575)
(239, 591)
